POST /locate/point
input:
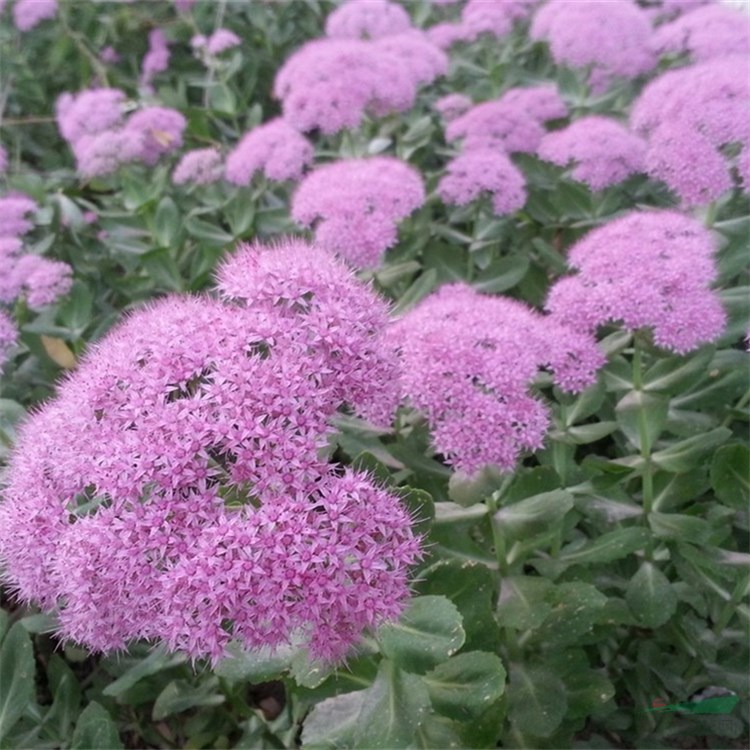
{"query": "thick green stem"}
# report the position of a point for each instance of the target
(498, 540)
(741, 404)
(644, 439)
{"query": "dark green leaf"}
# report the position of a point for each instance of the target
(16, 677)
(95, 729)
(650, 596)
(686, 454)
(427, 633)
(642, 416)
(464, 686)
(525, 601)
(537, 699)
(180, 695)
(730, 475)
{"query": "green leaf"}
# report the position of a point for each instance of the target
(208, 233)
(254, 666)
(427, 633)
(470, 490)
(471, 587)
(17, 671)
(386, 715)
(642, 417)
(95, 729)
(166, 222)
(420, 506)
(650, 596)
(537, 700)
(502, 274)
(576, 607)
(421, 287)
(524, 602)
(464, 686)
(673, 375)
(180, 695)
(222, 99)
(680, 527)
(66, 694)
(730, 475)
(684, 456)
(606, 548)
(533, 514)
(157, 661)
(584, 434)
(393, 709)
(333, 722)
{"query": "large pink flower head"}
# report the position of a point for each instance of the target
(159, 130)
(275, 148)
(88, 112)
(514, 122)
(495, 17)
(612, 38)
(484, 170)
(176, 489)
(706, 33)
(30, 13)
(199, 167)
(468, 364)
(601, 151)
(14, 208)
(689, 115)
(356, 204)
(648, 270)
(326, 308)
(367, 20)
(103, 154)
(330, 84)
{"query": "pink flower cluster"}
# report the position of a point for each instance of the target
(330, 84)
(689, 116)
(661, 10)
(199, 167)
(356, 204)
(30, 13)
(8, 336)
(102, 139)
(484, 170)
(610, 38)
(156, 60)
(452, 106)
(492, 17)
(367, 20)
(706, 33)
(274, 148)
(601, 151)
(489, 132)
(219, 41)
(648, 270)
(176, 488)
(468, 361)
(39, 281)
(514, 122)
